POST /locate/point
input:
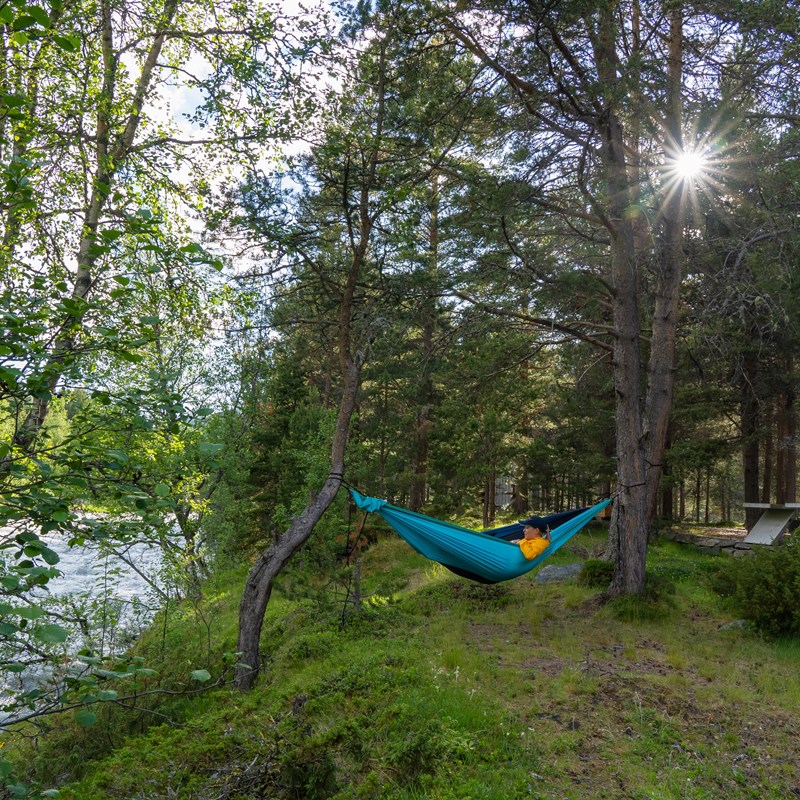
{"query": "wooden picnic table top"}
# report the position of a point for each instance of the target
(772, 505)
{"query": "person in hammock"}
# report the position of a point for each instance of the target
(537, 537)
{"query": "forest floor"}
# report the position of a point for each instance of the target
(441, 688)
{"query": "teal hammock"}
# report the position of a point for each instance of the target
(482, 557)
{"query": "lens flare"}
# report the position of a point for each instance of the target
(690, 164)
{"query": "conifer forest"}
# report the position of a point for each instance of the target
(483, 260)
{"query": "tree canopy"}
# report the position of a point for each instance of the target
(480, 258)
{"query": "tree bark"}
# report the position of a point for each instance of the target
(661, 375)
(258, 587)
(769, 454)
(424, 422)
(750, 420)
(628, 529)
(780, 449)
(791, 445)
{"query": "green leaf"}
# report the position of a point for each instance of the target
(161, 489)
(58, 516)
(132, 358)
(107, 673)
(85, 717)
(8, 375)
(13, 100)
(149, 320)
(6, 15)
(74, 306)
(201, 675)
(51, 634)
(8, 629)
(107, 695)
(205, 411)
(66, 43)
(30, 612)
(6, 768)
(22, 22)
(210, 449)
(40, 15)
(50, 556)
(16, 666)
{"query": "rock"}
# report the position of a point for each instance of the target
(558, 572)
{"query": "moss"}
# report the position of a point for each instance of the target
(452, 690)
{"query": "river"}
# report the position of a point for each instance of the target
(105, 596)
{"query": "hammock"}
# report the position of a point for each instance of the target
(486, 557)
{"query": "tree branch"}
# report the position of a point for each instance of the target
(541, 322)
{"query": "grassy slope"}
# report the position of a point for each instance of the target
(456, 690)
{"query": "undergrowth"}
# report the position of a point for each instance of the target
(448, 690)
(763, 588)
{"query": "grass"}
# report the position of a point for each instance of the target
(446, 689)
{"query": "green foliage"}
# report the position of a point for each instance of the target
(764, 588)
(596, 573)
(456, 691)
(657, 602)
(417, 746)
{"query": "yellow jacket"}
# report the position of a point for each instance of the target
(533, 547)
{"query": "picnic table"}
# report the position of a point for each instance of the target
(772, 523)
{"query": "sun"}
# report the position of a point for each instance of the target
(690, 164)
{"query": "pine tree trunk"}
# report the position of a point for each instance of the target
(661, 373)
(628, 529)
(426, 397)
(768, 416)
(791, 446)
(269, 564)
(258, 587)
(780, 450)
(750, 432)
(697, 495)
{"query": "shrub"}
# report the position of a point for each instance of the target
(415, 746)
(596, 574)
(764, 589)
